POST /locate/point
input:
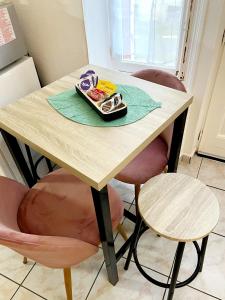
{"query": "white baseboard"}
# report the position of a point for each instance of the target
(187, 156)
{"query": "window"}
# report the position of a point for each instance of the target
(130, 35)
(147, 33)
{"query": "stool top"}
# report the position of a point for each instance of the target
(178, 207)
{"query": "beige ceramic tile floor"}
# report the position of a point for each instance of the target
(33, 281)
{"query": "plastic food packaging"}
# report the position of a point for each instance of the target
(107, 86)
(97, 95)
(112, 103)
(101, 96)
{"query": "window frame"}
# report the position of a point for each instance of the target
(131, 67)
(96, 22)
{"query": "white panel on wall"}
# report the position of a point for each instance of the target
(16, 81)
(7, 165)
(54, 34)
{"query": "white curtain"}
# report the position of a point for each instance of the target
(146, 31)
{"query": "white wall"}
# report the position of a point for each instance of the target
(55, 35)
(97, 32)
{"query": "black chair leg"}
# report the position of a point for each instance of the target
(32, 166)
(203, 250)
(176, 268)
(134, 241)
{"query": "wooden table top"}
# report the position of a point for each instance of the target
(94, 154)
(178, 207)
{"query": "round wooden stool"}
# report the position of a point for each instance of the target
(180, 208)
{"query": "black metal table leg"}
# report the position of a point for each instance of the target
(102, 209)
(176, 268)
(18, 157)
(178, 131)
(203, 249)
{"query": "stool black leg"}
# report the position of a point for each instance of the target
(134, 240)
(203, 249)
(49, 164)
(176, 268)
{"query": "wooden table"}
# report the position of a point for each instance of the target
(94, 154)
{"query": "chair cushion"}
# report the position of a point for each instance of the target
(61, 205)
(150, 162)
(161, 77)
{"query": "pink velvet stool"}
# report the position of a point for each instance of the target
(54, 222)
(154, 158)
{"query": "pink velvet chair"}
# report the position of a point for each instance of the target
(54, 222)
(153, 159)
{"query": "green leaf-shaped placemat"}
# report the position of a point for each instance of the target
(73, 107)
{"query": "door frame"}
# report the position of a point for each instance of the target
(202, 153)
(203, 70)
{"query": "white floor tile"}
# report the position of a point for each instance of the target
(212, 278)
(131, 286)
(49, 283)
(212, 172)
(11, 264)
(24, 294)
(187, 293)
(7, 288)
(190, 168)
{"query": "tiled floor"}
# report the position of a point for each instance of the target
(33, 281)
